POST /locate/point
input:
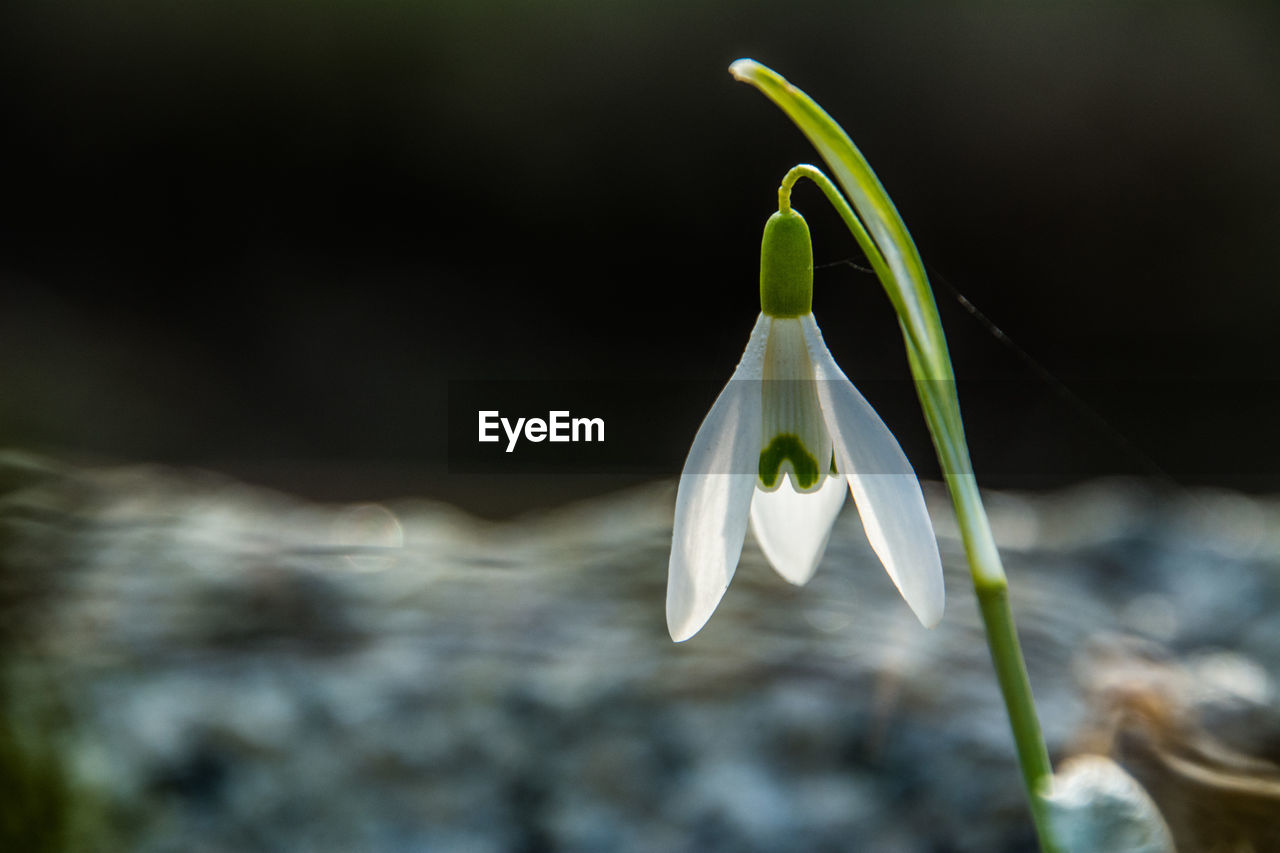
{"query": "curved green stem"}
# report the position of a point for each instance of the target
(851, 221)
(876, 225)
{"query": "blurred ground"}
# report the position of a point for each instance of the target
(193, 664)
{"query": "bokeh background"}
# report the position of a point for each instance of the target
(258, 260)
(262, 238)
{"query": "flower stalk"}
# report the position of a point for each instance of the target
(879, 230)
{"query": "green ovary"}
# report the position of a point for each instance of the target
(788, 447)
(786, 266)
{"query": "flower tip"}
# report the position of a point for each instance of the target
(928, 608)
(683, 629)
(930, 617)
(686, 611)
(743, 68)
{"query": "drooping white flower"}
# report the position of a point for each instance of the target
(783, 441)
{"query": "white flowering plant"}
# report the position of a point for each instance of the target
(790, 434)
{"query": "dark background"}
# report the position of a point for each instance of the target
(264, 237)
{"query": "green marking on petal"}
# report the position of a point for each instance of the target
(784, 447)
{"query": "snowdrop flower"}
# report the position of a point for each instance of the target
(785, 438)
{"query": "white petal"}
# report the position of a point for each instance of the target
(714, 497)
(883, 484)
(792, 528)
(791, 412)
